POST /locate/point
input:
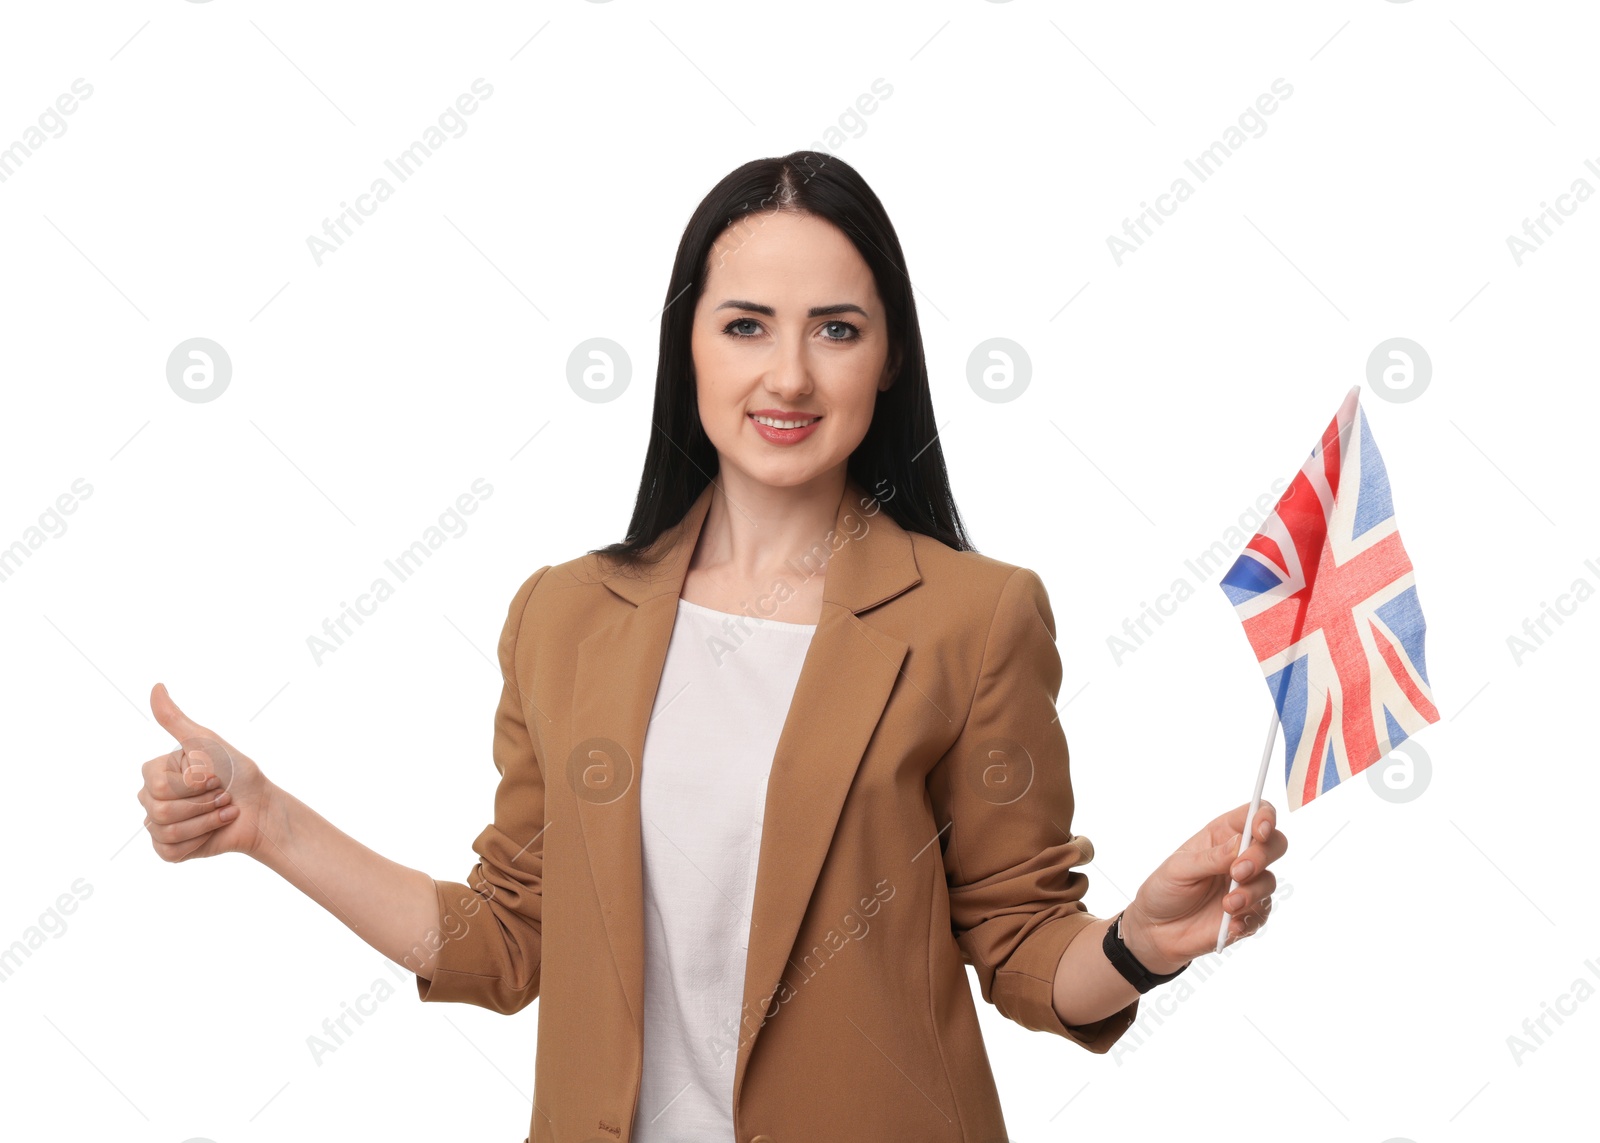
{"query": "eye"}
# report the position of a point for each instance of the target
(840, 330)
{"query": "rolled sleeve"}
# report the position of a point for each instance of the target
(489, 940)
(1010, 856)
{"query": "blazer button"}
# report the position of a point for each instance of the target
(761, 1139)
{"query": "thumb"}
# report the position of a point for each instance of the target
(1226, 854)
(194, 762)
(1203, 864)
(173, 720)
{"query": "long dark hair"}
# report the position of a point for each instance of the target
(899, 459)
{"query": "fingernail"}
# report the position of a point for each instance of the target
(228, 813)
(1243, 870)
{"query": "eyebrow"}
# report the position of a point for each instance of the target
(814, 311)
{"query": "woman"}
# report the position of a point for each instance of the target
(777, 767)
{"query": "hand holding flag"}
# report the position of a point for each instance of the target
(1168, 923)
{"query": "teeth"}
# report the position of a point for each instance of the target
(777, 424)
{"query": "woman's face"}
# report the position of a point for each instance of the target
(789, 327)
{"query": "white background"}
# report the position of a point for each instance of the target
(369, 391)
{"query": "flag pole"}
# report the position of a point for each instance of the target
(1249, 821)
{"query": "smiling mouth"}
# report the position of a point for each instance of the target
(778, 423)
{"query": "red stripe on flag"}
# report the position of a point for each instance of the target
(1269, 548)
(1318, 750)
(1402, 676)
(1332, 462)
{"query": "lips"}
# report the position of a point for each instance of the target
(785, 419)
(802, 425)
(788, 420)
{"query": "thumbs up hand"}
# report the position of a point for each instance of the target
(204, 797)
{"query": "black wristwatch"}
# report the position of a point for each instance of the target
(1127, 964)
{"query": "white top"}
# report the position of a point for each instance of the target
(725, 691)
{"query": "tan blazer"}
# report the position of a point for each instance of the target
(918, 818)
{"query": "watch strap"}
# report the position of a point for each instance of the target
(1127, 964)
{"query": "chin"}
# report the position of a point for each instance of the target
(781, 473)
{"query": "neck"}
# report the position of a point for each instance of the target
(757, 532)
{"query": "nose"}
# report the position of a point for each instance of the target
(788, 374)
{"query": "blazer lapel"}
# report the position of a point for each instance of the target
(845, 680)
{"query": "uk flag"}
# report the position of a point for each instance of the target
(1328, 600)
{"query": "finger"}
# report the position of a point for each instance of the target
(173, 720)
(163, 777)
(1258, 857)
(196, 767)
(1261, 912)
(174, 832)
(189, 771)
(1241, 927)
(1273, 848)
(165, 811)
(1269, 846)
(1249, 895)
(1263, 823)
(1232, 822)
